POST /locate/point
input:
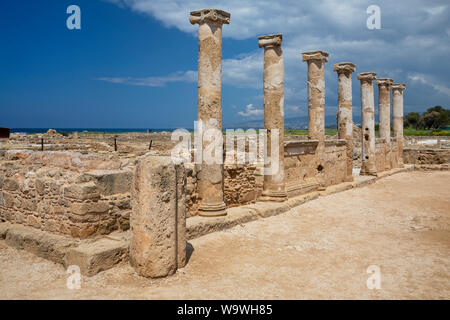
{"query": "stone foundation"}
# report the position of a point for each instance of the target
(65, 192)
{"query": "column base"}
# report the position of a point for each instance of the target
(273, 196)
(212, 210)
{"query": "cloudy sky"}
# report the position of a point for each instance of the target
(133, 63)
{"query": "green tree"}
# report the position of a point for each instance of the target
(412, 120)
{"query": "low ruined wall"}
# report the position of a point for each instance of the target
(65, 192)
(242, 185)
(380, 155)
(426, 156)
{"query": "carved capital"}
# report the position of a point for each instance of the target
(271, 40)
(367, 76)
(344, 67)
(213, 15)
(315, 55)
(398, 86)
(385, 82)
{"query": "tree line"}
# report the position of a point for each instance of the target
(433, 118)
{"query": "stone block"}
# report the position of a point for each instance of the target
(10, 184)
(97, 256)
(111, 182)
(82, 191)
(158, 225)
(89, 207)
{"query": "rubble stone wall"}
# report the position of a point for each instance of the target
(65, 192)
(426, 156)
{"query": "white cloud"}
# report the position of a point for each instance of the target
(424, 79)
(187, 76)
(413, 40)
(251, 111)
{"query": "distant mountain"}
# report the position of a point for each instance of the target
(290, 123)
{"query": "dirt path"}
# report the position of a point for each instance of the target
(321, 249)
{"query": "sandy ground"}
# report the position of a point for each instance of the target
(319, 250)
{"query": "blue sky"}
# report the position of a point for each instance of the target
(133, 63)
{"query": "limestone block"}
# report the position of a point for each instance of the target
(111, 182)
(82, 191)
(10, 184)
(89, 207)
(158, 226)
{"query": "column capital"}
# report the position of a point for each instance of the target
(367, 76)
(213, 15)
(398, 86)
(385, 82)
(344, 67)
(270, 40)
(315, 55)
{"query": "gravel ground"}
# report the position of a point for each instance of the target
(319, 250)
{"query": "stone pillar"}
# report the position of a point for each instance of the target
(397, 117)
(344, 115)
(274, 188)
(316, 93)
(210, 176)
(368, 154)
(384, 116)
(158, 223)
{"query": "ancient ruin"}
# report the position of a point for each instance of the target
(97, 200)
(210, 176)
(344, 115)
(274, 188)
(368, 166)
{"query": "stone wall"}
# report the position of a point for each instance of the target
(426, 156)
(65, 192)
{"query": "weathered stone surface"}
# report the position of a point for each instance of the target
(111, 182)
(274, 187)
(316, 93)
(384, 114)
(81, 208)
(210, 176)
(94, 257)
(344, 115)
(82, 191)
(397, 117)
(368, 166)
(157, 225)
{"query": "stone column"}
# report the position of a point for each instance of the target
(158, 223)
(316, 93)
(344, 116)
(397, 117)
(210, 176)
(274, 188)
(384, 115)
(368, 154)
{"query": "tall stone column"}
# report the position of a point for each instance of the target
(274, 188)
(316, 93)
(397, 117)
(210, 176)
(384, 115)
(368, 155)
(344, 116)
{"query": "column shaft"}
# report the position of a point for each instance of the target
(274, 188)
(368, 166)
(316, 93)
(384, 114)
(397, 117)
(344, 115)
(210, 176)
